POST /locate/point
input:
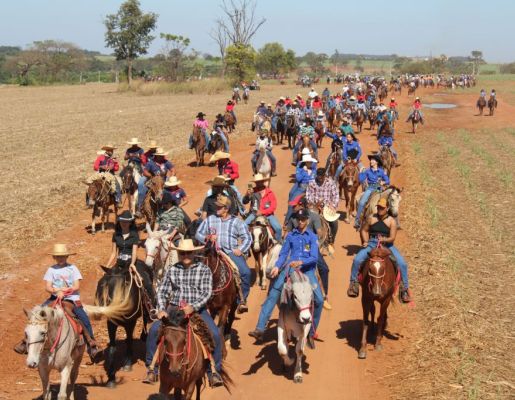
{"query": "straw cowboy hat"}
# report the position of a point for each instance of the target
(223, 201)
(320, 113)
(186, 246)
(308, 158)
(172, 181)
(352, 98)
(329, 214)
(219, 155)
(60, 250)
(382, 203)
(134, 140)
(219, 180)
(160, 152)
(260, 177)
(108, 147)
(152, 145)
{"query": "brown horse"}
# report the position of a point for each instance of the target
(225, 292)
(100, 198)
(382, 92)
(199, 143)
(334, 119)
(236, 97)
(372, 118)
(387, 158)
(360, 119)
(492, 104)
(379, 282)
(334, 160)
(183, 346)
(481, 104)
(152, 198)
(349, 183)
(319, 133)
(130, 178)
(229, 122)
(415, 119)
(305, 145)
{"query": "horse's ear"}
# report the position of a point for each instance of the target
(27, 313)
(106, 270)
(84, 182)
(148, 228)
(165, 321)
(400, 189)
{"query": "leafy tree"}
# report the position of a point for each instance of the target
(240, 60)
(174, 54)
(316, 62)
(272, 59)
(129, 33)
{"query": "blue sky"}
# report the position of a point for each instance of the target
(404, 27)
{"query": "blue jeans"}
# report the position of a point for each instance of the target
(151, 345)
(275, 293)
(323, 271)
(362, 256)
(274, 223)
(244, 269)
(297, 188)
(274, 122)
(224, 140)
(234, 116)
(142, 190)
(255, 156)
(363, 201)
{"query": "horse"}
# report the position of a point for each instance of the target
(349, 183)
(387, 159)
(100, 198)
(236, 97)
(53, 343)
(199, 143)
(391, 116)
(372, 118)
(306, 144)
(382, 92)
(230, 124)
(295, 320)
(263, 163)
(319, 133)
(360, 119)
(393, 197)
(492, 104)
(281, 128)
(153, 198)
(291, 130)
(245, 97)
(334, 160)
(119, 285)
(225, 291)
(415, 119)
(411, 89)
(159, 252)
(334, 118)
(216, 143)
(184, 343)
(378, 282)
(130, 177)
(262, 243)
(481, 104)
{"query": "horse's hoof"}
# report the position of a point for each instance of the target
(378, 347)
(127, 368)
(93, 233)
(347, 221)
(297, 379)
(111, 384)
(362, 354)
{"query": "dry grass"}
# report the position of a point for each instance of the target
(205, 86)
(460, 222)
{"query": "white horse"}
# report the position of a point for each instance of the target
(295, 319)
(52, 343)
(159, 243)
(263, 163)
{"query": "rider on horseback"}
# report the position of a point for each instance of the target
(187, 284)
(170, 215)
(157, 166)
(265, 138)
(262, 203)
(374, 177)
(305, 131)
(385, 138)
(417, 106)
(393, 106)
(300, 250)
(134, 154)
(201, 123)
(106, 165)
(218, 129)
(379, 230)
(279, 113)
(63, 283)
(230, 109)
(361, 106)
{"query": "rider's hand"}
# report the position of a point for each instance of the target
(188, 309)
(162, 314)
(213, 238)
(132, 267)
(295, 264)
(60, 294)
(237, 252)
(274, 272)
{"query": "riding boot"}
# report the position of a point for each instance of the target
(353, 290)
(93, 349)
(21, 347)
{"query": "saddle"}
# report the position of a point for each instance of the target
(226, 260)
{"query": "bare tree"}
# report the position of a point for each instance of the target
(239, 23)
(219, 35)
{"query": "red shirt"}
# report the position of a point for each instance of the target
(268, 202)
(107, 162)
(417, 105)
(393, 104)
(288, 101)
(229, 107)
(231, 170)
(362, 97)
(147, 155)
(316, 104)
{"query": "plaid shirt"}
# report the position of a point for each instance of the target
(193, 285)
(326, 194)
(231, 233)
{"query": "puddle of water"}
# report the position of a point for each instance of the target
(440, 105)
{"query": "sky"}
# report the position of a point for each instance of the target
(403, 27)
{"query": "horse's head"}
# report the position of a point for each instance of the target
(350, 174)
(376, 270)
(394, 199)
(176, 336)
(37, 332)
(155, 187)
(302, 295)
(114, 279)
(95, 190)
(154, 242)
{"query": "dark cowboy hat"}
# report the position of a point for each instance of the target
(376, 157)
(353, 136)
(125, 216)
(201, 115)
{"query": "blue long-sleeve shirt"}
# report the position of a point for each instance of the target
(351, 147)
(302, 176)
(373, 177)
(231, 233)
(299, 247)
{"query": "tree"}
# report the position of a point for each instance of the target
(240, 60)
(174, 50)
(240, 23)
(477, 57)
(128, 33)
(221, 38)
(272, 59)
(316, 62)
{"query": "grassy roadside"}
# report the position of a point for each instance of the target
(459, 219)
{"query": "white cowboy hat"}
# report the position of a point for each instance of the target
(305, 151)
(172, 181)
(186, 245)
(60, 250)
(152, 145)
(219, 155)
(160, 152)
(352, 98)
(308, 158)
(108, 147)
(260, 177)
(320, 113)
(134, 140)
(329, 214)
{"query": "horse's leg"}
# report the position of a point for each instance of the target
(73, 375)
(65, 376)
(282, 343)
(299, 350)
(365, 304)
(347, 205)
(44, 374)
(188, 395)
(259, 268)
(102, 220)
(381, 323)
(222, 321)
(109, 359)
(353, 201)
(129, 331)
(198, 385)
(93, 230)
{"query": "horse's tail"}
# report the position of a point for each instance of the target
(120, 304)
(228, 382)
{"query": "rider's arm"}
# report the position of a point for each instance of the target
(164, 291)
(385, 178)
(283, 254)
(358, 147)
(112, 257)
(363, 233)
(96, 165)
(127, 156)
(244, 236)
(202, 231)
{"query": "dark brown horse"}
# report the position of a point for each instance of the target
(230, 124)
(334, 119)
(360, 119)
(291, 130)
(492, 104)
(130, 177)
(236, 97)
(415, 119)
(152, 198)
(382, 92)
(100, 198)
(319, 133)
(379, 282)
(334, 161)
(199, 143)
(372, 118)
(481, 104)
(349, 183)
